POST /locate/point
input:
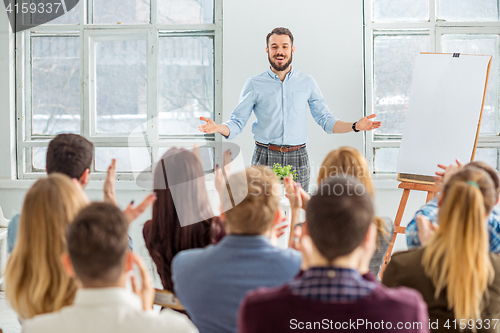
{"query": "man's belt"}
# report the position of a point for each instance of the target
(281, 149)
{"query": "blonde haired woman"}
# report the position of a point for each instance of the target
(349, 162)
(35, 281)
(455, 273)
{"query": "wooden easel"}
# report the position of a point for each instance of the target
(423, 183)
(431, 190)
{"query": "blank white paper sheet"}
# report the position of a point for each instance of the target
(443, 112)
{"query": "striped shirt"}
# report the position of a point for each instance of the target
(430, 210)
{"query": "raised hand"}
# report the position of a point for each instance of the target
(146, 292)
(220, 179)
(442, 176)
(131, 212)
(365, 124)
(426, 229)
(293, 193)
(80, 189)
(109, 185)
(278, 230)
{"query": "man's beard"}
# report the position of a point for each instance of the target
(277, 67)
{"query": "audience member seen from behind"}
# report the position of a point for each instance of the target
(338, 238)
(35, 282)
(425, 220)
(348, 161)
(164, 234)
(457, 276)
(69, 154)
(99, 256)
(212, 282)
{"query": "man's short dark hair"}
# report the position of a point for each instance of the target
(70, 154)
(338, 217)
(98, 243)
(279, 31)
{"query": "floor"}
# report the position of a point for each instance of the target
(8, 318)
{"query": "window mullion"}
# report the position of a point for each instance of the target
(152, 93)
(20, 98)
(27, 84)
(218, 72)
(89, 85)
(432, 31)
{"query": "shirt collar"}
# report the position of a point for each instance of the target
(245, 241)
(92, 297)
(331, 272)
(275, 76)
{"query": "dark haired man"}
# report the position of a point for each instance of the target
(98, 255)
(338, 241)
(279, 97)
(69, 154)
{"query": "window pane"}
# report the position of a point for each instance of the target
(120, 85)
(38, 157)
(488, 155)
(185, 84)
(467, 10)
(127, 158)
(485, 45)
(385, 160)
(185, 11)
(55, 85)
(394, 60)
(400, 11)
(207, 157)
(122, 11)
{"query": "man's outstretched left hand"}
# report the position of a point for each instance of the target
(365, 124)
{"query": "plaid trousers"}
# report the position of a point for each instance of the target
(299, 160)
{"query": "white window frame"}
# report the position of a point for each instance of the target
(89, 33)
(435, 29)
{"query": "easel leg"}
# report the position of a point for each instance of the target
(430, 196)
(397, 227)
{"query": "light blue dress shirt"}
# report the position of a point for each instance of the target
(280, 108)
(212, 282)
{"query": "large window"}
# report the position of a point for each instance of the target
(395, 33)
(132, 76)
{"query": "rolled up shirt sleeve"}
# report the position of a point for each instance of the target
(319, 109)
(242, 112)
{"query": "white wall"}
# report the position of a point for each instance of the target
(329, 46)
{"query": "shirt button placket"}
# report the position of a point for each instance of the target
(284, 109)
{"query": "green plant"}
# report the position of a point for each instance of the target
(283, 172)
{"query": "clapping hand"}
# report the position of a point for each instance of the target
(278, 230)
(109, 189)
(426, 229)
(298, 197)
(80, 189)
(222, 175)
(442, 176)
(292, 190)
(146, 292)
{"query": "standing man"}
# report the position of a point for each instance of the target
(279, 98)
